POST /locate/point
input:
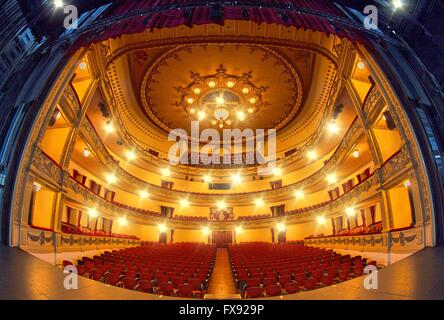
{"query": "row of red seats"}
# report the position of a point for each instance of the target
(374, 228)
(265, 269)
(181, 269)
(72, 229)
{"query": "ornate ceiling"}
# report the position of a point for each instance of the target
(160, 83)
(294, 70)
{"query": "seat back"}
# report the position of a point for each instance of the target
(253, 292)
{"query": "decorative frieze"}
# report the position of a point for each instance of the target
(396, 165)
(373, 103)
(49, 241)
(392, 241)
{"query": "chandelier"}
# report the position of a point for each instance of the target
(221, 99)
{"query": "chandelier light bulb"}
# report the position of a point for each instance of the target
(221, 205)
(355, 153)
(312, 155)
(123, 221)
(333, 127)
(220, 100)
(131, 155)
(184, 202)
(166, 172)
(321, 220)
(360, 65)
(201, 115)
(86, 152)
(240, 115)
(109, 127)
(299, 194)
(143, 194)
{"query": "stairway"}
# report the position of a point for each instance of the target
(221, 283)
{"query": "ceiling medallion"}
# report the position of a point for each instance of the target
(222, 99)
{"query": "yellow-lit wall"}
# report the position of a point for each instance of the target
(53, 142)
(182, 235)
(43, 206)
(144, 232)
(301, 231)
(361, 88)
(248, 235)
(400, 205)
(389, 141)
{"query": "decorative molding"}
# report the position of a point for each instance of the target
(384, 242)
(396, 166)
(373, 103)
(74, 189)
(352, 136)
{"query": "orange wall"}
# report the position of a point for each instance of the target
(401, 211)
(53, 142)
(389, 141)
(248, 235)
(144, 232)
(183, 235)
(301, 231)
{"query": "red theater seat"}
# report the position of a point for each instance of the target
(253, 292)
(255, 282)
(269, 281)
(283, 280)
(185, 290)
(291, 287)
(113, 280)
(273, 290)
(129, 283)
(145, 286)
(309, 284)
(165, 288)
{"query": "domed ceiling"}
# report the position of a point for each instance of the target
(224, 86)
(159, 81)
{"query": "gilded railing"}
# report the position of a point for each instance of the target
(38, 240)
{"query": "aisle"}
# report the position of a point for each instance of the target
(221, 282)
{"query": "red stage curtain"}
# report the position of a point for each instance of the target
(202, 15)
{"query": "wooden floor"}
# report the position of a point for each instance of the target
(222, 283)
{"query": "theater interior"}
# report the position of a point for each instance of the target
(331, 176)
